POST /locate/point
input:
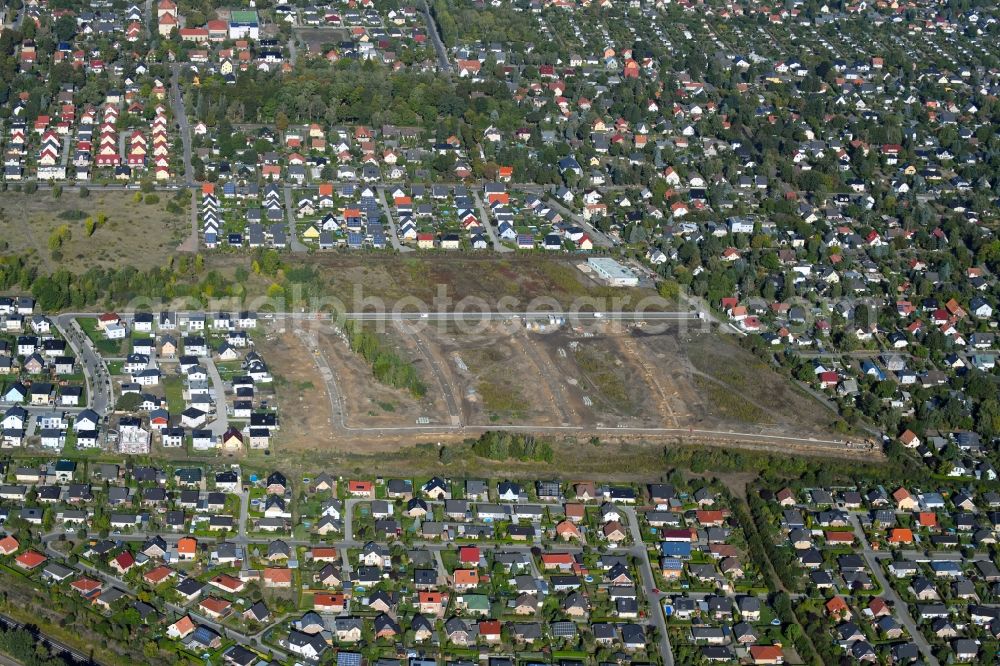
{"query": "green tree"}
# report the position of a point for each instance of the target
(128, 402)
(669, 290)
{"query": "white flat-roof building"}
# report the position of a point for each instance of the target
(613, 272)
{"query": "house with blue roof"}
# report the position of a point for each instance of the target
(671, 567)
(931, 501)
(946, 569)
(675, 549)
(353, 220)
(869, 368)
(505, 230)
(984, 362)
(203, 638)
(569, 164)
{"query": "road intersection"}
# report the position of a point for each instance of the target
(637, 551)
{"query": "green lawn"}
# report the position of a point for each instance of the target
(173, 387)
(229, 369)
(104, 346)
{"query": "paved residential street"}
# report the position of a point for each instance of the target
(294, 243)
(391, 223)
(898, 605)
(655, 599)
(177, 103)
(442, 54)
(487, 222)
(599, 238)
(221, 422)
(95, 370)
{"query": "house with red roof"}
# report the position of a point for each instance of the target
(828, 379)
(469, 555)
(361, 488)
(838, 608)
(328, 603)
(561, 561)
(181, 628)
(465, 579)
(904, 500)
(187, 548)
(767, 654)
(835, 537)
(278, 577)
(228, 583)
(489, 630)
(9, 545)
(122, 562)
(901, 536)
(86, 587)
(567, 530)
(159, 574)
(215, 607)
(30, 560)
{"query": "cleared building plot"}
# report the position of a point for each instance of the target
(501, 374)
(498, 380)
(609, 385)
(712, 382)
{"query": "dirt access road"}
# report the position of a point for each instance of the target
(606, 386)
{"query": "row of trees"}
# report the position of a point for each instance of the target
(761, 553)
(387, 367)
(508, 446)
(64, 289)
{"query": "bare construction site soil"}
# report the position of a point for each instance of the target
(713, 383)
(303, 403)
(310, 365)
(499, 377)
(559, 382)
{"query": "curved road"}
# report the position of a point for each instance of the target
(95, 371)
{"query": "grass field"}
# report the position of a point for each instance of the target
(743, 388)
(444, 281)
(137, 234)
(315, 38)
(730, 404)
(173, 389)
(499, 397)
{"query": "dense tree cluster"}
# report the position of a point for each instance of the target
(387, 366)
(20, 644)
(510, 446)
